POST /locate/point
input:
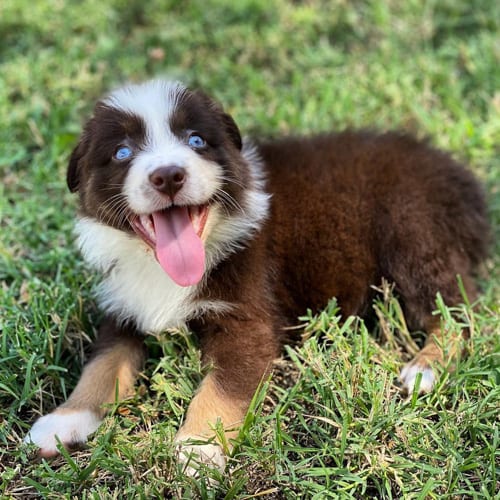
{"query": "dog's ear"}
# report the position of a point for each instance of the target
(232, 130)
(73, 173)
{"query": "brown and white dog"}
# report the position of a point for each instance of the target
(188, 224)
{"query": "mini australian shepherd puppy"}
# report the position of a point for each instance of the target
(188, 224)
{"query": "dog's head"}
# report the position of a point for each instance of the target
(165, 163)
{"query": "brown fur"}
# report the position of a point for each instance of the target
(347, 210)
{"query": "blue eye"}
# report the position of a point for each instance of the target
(123, 153)
(196, 142)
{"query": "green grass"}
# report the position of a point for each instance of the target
(331, 422)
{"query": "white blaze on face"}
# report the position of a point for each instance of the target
(201, 182)
(156, 102)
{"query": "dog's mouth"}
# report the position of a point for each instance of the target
(175, 234)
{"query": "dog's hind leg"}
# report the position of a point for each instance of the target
(440, 349)
(108, 376)
(442, 343)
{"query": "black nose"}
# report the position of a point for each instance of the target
(168, 180)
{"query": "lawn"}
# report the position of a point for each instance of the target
(332, 421)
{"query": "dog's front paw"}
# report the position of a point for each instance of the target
(194, 455)
(72, 427)
(409, 375)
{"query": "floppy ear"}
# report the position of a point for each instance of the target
(73, 173)
(232, 130)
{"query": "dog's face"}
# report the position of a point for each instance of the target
(163, 163)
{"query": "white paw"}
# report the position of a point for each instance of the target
(192, 456)
(70, 426)
(409, 377)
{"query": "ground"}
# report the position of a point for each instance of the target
(332, 421)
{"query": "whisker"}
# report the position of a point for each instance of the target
(117, 208)
(224, 207)
(122, 212)
(110, 187)
(230, 199)
(224, 196)
(110, 202)
(231, 180)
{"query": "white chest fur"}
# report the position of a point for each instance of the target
(134, 286)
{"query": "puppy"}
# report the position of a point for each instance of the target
(188, 224)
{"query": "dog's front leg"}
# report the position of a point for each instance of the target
(239, 354)
(108, 376)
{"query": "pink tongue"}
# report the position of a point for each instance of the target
(179, 249)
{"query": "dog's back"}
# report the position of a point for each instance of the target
(352, 208)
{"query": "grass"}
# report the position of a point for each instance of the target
(331, 422)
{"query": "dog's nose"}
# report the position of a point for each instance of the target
(168, 180)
